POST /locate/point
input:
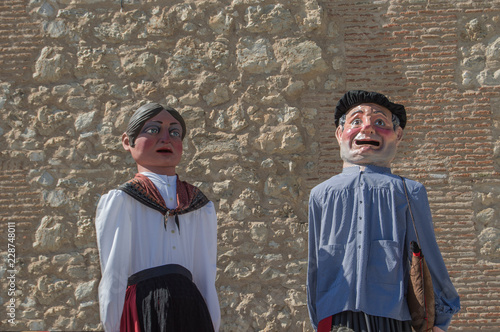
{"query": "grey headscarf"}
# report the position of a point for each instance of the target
(146, 112)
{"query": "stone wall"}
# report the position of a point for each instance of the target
(257, 81)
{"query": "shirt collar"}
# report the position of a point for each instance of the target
(368, 169)
(165, 179)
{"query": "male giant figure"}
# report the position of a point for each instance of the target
(360, 228)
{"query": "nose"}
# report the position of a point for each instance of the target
(367, 126)
(164, 136)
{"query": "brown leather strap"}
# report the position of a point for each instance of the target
(411, 213)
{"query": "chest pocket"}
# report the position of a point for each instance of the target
(330, 258)
(384, 262)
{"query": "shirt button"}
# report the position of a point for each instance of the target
(173, 247)
(359, 247)
(359, 232)
(172, 231)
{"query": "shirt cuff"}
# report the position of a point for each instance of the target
(443, 321)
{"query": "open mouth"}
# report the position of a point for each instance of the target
(165, 150)
(367, 142)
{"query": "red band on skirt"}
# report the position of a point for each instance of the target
(325, 325)
(164, 299)
(130, 319)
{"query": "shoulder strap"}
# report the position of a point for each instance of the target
(409, 208)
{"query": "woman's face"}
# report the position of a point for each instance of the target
(368, 136)
(158, 147)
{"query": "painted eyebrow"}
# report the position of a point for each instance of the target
(374, 112)
(160, 122)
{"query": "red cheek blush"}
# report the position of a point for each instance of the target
(351, 132)
(385, 131)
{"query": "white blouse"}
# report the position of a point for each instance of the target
(132, 237)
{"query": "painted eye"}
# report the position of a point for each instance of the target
(152, 130)
(356, 122)
(175, 133)
(380, 123)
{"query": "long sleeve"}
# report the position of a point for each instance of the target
(205, 260)
(358, 224)
(133, 237)
(312, 269)
(114, 242)
(446, 297)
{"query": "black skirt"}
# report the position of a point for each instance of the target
(164, 299)
(361, 322)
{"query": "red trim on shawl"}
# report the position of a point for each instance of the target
(150, 189)
(186, 194)
(189, 197)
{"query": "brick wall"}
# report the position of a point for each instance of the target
(19, 41)
(19, 204)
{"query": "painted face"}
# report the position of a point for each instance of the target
(158, 147)
(368, 136)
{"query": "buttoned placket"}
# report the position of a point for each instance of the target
(360, 232)
(171, 229)
(169, 187)
(361, 209)
(173, 232)
(170, 195)
(360, 222)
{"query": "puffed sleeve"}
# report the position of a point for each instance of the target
(312, 268)
(446, 296)
(113, 229)
(205, 261)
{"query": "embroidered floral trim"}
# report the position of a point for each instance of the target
(189, 197)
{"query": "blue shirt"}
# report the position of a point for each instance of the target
(359, 234)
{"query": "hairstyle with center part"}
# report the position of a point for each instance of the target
(146, 112)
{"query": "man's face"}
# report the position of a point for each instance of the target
(368, 136)
(158, 147)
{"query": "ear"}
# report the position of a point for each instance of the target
(338, 133)
(126, 142)
(399, 133)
